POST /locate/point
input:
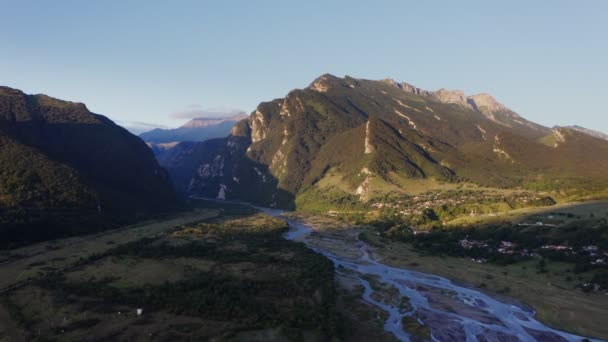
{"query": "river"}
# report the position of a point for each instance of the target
(450, 311)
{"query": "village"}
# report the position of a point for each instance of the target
(593, 253)
(451, 204)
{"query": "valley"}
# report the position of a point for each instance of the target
(379, 263)
(383, 288)
(306, 171)
(223, 273)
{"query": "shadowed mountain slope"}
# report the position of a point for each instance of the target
(64, 170)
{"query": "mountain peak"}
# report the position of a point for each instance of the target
(485, 100)
(197, 129)
(204, 122)
(8, 91)
(310, 143)
(321, 83)
(406, 87)
(451, 96)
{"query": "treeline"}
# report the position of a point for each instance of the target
(439, 240)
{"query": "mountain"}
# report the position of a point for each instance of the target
(346, 140)
(137, 127)
(199, 129)
(588, 131)
(65, 170)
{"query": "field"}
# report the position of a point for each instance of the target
(230, 276)
(580, 209)
(226, 273)
(23, 264)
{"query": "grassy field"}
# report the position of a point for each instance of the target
(230, 277)
(26, 263)
(578, 209)
(412, 186)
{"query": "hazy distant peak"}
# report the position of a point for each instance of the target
(197, 129)
(204, 122)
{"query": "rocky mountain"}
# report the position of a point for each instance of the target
(345, 139)
(588, 131)
(66, 170)
(199, 129)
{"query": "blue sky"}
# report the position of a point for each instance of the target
(145, 61)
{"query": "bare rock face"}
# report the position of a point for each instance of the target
(258, 126)
(408, 88)
(451, 96)
(321, 84)
(485, 101)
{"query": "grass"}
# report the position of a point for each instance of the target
(27, 262)
(598, 208)
(415, 329)
(231, 276)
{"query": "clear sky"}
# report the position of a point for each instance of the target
(146, 61)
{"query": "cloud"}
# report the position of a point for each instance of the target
(194, 111)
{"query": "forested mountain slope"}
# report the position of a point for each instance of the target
(64, 170)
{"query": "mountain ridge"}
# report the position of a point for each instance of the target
(206, 121)
(64, 169)
(196, 129)
(591, 132)
(372, 134)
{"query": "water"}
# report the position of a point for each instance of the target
(452, 312)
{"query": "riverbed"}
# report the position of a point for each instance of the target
(445, 310)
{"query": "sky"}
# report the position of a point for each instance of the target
(152, 62)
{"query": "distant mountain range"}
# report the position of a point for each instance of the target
(345, 139)
(199, 129)
(65, 170)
